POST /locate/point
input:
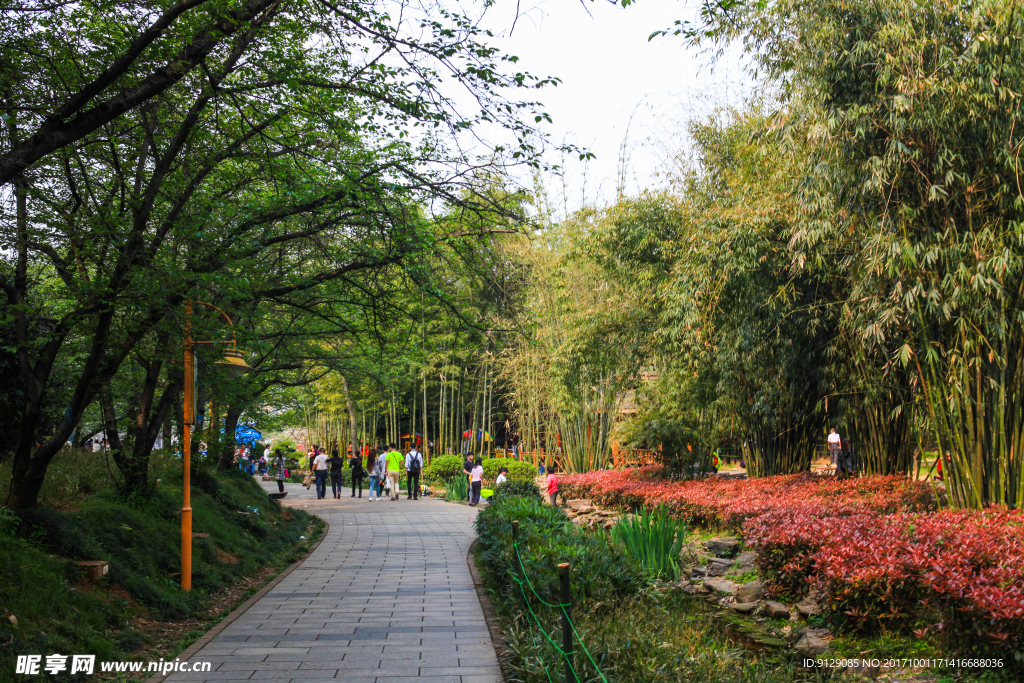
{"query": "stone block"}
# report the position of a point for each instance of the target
(723, 547)
(751, 591)
(745, 560)
(721, 586)
(776, 610)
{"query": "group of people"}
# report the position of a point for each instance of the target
(383, 466)
(250, 463)
(841, 454)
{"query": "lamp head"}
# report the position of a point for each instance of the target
(234, 363)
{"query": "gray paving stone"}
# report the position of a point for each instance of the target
(387, 597)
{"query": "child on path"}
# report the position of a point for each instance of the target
(552, 483)
(501, 476)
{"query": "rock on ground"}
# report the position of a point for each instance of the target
(718, 567)
(722, 546)
(808, 605)
(577, 503)
(750, 592)
(721, 585)
(745, 560)
(744, 607)
(813, 642)
(776, 610)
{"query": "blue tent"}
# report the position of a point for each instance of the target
(244, 434)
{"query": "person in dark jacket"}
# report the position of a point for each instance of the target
(337, 462)
(356, 463)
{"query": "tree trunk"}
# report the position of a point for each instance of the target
(227, 449)
(351, 418)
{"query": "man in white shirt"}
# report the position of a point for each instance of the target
(834, 446)
(413, 466)
(320, 469)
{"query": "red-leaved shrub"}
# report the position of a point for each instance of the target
(729, 502)
(875, 549)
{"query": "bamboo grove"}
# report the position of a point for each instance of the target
(843, 251)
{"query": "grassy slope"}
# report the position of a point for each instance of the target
(58, 611)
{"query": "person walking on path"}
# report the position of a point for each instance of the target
(467, 469)
(356, 463)
(373, 471)
(476, 481)
(337, 462)
(382, 466)
(552, 483)
(395, 463)
(280, 466)
(413, 465)
(320, 469)
(834, 447)
(847, 459)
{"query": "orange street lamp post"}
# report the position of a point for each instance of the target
(234, 363)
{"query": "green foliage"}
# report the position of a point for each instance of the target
(443, 467)
(600, 572)
(142, 542)
(635, 636)
(456, 489)
(517, 469)
(901, 127)
(521, 488)
(654, 539)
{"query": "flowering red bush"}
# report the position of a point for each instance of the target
(961, 570)
(878, 554)
(729, 502)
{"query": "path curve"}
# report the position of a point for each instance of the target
(386, 597)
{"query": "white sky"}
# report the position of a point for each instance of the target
(612, 74)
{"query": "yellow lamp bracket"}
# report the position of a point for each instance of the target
(234, 359)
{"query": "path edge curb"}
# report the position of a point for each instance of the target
(195, 647)
(490, 616)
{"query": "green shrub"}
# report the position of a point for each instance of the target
(524, 488)
(601, 573)
(443, 467)
(456, 489)
(141, 538)
(653, 539)
(517, 469)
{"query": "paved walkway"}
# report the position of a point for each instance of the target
(386, 597)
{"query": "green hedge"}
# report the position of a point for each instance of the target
(525, 488)
(517, 469)
(600, 572)
(443, 467)
(142, 541)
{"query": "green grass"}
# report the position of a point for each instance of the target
(634, 634)
(58, 610)
(745, 577)
(654, 538)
